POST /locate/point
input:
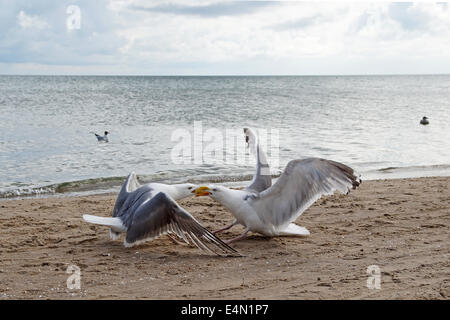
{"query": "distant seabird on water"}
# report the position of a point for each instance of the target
(424, 121)
(149, 211)
(102, 138)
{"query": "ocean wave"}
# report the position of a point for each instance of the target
(112, 184)
(418, 171)
(63, 188)
(27, 191)
(415, 168)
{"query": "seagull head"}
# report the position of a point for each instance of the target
(186, 189)
(250, 136)
(246, 135)
(106, 133)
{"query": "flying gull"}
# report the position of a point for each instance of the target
(149, 211)
(273, 211)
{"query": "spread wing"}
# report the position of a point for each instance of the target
(150, 218)
(131, 184)
(262, 178)
(300, 185)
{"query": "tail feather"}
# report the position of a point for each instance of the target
(115, 224)
(294, 230)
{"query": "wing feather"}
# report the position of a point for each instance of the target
(161, 215)
(130, 185)
(301, 184)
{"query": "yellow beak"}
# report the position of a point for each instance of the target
(202, 191)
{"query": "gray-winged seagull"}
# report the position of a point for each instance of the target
(102, 138)
(149, 211)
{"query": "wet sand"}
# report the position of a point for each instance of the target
(402, 226)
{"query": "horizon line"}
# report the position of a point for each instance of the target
(229, 75)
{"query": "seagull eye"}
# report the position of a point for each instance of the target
(189, 188)
(214, 189)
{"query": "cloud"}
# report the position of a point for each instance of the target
(299, 23)
(212, 10)
(408, 16)
(405, 19)
(26, 21)
(217, 37)
(40, 35)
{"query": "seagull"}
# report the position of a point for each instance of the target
(102, 138)
(273, 211)
(424, 121)
(262, 178)
(149, 211)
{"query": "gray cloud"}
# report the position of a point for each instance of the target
(408, 19)
(299, 23)
(118, 39)
(212, 10)
(94, 43)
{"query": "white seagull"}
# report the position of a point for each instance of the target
(273, 211)
(149, 211)
(262, 178)
(102, 138)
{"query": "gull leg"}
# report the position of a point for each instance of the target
(242, 236)
(226, 228)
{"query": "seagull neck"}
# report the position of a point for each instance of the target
(261, 159)
(231, 199)
(257, 150)
(172, 190)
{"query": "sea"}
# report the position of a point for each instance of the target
(176, 129)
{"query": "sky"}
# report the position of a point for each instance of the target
(136, 37)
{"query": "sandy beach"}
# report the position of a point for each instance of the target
(402, 226)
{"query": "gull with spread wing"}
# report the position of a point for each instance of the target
(149, 211)
(273, 211)
(262, 178)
